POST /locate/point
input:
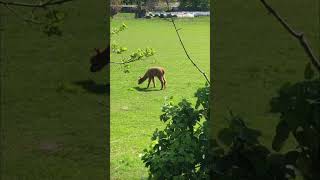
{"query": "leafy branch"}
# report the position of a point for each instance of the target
(298, 35)
(49, 21)
(140, 54)
(18, 15)
(184, 48)
(116, 31)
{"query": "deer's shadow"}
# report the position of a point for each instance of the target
(147, 89)
(93, 87)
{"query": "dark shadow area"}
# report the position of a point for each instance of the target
(93, 87)
(146, 89)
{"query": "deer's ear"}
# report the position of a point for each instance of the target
(97, 50)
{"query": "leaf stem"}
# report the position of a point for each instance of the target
(184, 48)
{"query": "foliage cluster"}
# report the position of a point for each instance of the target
(44, 15)
(181, 149)
(184, 149)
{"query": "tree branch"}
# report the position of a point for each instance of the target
(40, 5)
(10, 6)
(185, 51)
(298, 35)
(125, 62)
(28, 20)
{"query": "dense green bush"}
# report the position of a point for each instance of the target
(299, 107)
(183, 149)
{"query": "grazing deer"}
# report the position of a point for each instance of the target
(100, 60)
(151, 73)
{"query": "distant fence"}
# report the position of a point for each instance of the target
(133, 8)
(129, 8)
(178, 14)
(162, 14)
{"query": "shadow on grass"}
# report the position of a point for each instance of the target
(146, 89)
(93, 87)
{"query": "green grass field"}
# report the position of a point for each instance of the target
(53, 110)
(53, 121)
(134, 111)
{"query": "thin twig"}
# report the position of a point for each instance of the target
(186, 52)
(40, 5)
(126, 62)
(298, 35)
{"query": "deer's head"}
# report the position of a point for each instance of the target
(100, 59)
(140, 80)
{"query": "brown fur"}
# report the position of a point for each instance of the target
(151, 73)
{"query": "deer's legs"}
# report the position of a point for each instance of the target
(164, 81)
(149, 80)
(154, 85)
(162, 84)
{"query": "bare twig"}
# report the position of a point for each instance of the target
(186, 52)
(298, 35)
(125, 62)
(40, 5)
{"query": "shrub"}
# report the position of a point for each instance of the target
(184, 150)
(180, 150)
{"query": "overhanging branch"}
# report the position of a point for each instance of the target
(298, 35)
(124, 62)
(28, 20)
(40, 5)
(185, 51)
(11, 6)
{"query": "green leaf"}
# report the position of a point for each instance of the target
(226, 136)
(282, 134)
